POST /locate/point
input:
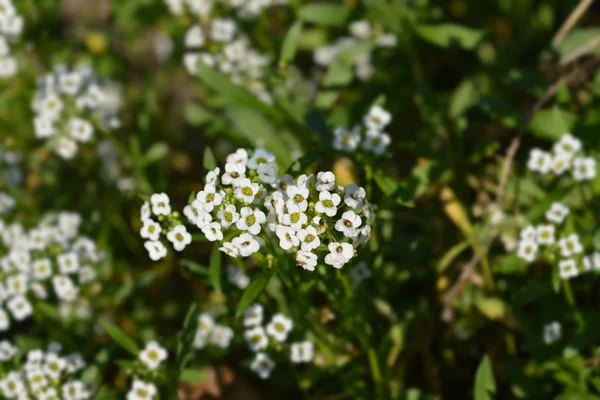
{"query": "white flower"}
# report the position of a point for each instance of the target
(260, 156)
(81, 130)
(222, 30)
(339, 254)
(253, 315)
(68, 263)
(267, 173)
(557, 213)
(262, 365)
(376, 141)
(320, 224)
(256, 338)
(221, 336)
(160, 204)
(362, 235)
(41, 269)
(44, 127)
(378, 118)
(274, 203)
(527, 250)
(12, 385)
(4, 321)
(567, 269)
(145, 211)
(180, 237)
(245, 244)
(54, 365)
(354, 196)
(279, 327)
(250, 220)
(212, 177)
(346, 140)
(239, 157)
(306, 260)
(156, 250)
(75, 390)
(152, 355)
(528, 233)
(213, 231)
(150, 230)
(570, 245)
(309, 238)
(298, 196)
(295, 218)
(560, 163)
(237, 277)
(568, 145)
(16, 284)
(348, 224)
(7, 350)
(19, 307)
(194, 37)
(287, 237)
(246, 190)
(69, 83)
(301, 352)
(64, 288)
(325, 181)
(230, 249)
(141, 391)
(584, 168)
(539, 161)
(209, 198)
(545, 234)
(66, 148)
(361, 29)
(552, 332)
(233, 171)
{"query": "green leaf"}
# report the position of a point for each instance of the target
(402, 192)
(552, 123)
(325, 14)
(464, 97)
(156, 152)
(254, 290)
(208, 160)
(194, 375)
(186, 337)
(451, 255)
(214, 268)
(301, 164)
(120, 337)
(196, 115)
(485, 385)
(574, 394)
(341, 70)
(576, 39)
(450, 35)
(290, 43)
(194, 269)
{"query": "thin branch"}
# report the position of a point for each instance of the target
(571, 21)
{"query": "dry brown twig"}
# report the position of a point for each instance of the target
(571, 21)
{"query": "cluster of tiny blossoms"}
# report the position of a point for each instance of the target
(360, 31)
(51, 262)
(70, 106)
(11, 27)
(11, 173)
(218, 41)
(568, 247)
(272, 338)
(566, 156)
(149, 359)
(369, 136)
(42, 375)
(209, 332)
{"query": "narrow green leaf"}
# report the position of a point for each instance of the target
(254, 290)
(156, 152)
(120, 337)
(214, 268)
(186, 337)
(194, 269)
(290, 43)
(450, 35)
(485, 385)
(208, 159)
(194, 375)
(552, 123)
(325, 14)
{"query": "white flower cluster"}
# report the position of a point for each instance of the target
(211, 333)
(237, 277)
(141, 390)
(360, 30)
(70, 105)
(10, 167)
(369, 136)
(260, 339)
(153, 355)
(568, 246)
(246, 9)
(218, 41)
(51, 260)
(565, 157)
(552, 332)
(43, 375)
(151, 358)
(11, 27)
